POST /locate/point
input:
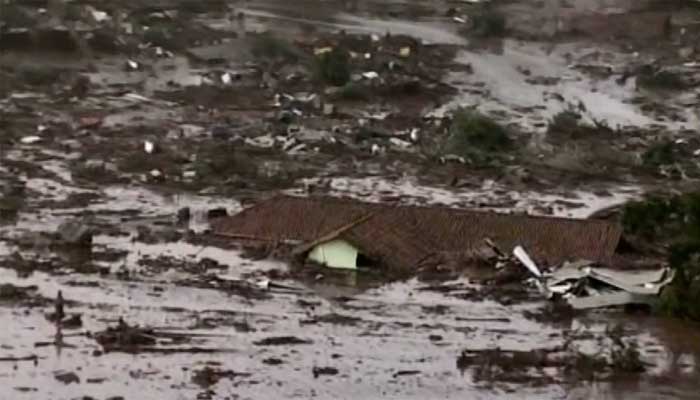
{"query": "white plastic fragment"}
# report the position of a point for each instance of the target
(133, 65)
(322, 50)
(414, 135)
(370, 75)
(30, 139)
(149, 146)
(99, 16)
(524, 258)
(226, 78)
(136, 97)
(263, 283)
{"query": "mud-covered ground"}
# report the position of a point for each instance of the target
(140, 120)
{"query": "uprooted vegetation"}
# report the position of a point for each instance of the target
(675, 224)
(569, 125)
(333, 67)
(477, 137)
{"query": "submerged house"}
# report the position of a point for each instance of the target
(346, 233)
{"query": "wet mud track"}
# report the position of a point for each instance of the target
(141, 146)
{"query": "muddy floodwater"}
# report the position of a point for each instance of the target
(138, 122)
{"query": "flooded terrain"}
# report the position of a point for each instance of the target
(136, 123)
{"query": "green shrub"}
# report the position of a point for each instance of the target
(267, 45)
(675, 222)
(490, 23)
(659, 154)
(652, 217)
(564, 120)
(472, 133)
(660, 80)
(333, 67)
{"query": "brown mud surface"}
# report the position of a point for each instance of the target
(138, 121)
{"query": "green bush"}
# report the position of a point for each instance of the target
(267, 45)
(490, 23)
(651, 218)
(473, 133)
(333, 67)
(659, 154)
(564, 120)
(676, 223)
(661, 80)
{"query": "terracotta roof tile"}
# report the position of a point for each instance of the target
(401, 236)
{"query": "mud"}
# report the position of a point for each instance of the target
(116, 118)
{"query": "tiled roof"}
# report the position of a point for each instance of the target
(401, 236)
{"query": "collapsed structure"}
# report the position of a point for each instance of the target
(345, 233)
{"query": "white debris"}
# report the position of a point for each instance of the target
(370, 75)
(226, 78)
(136, 97)
(133, 65)
(128, 28)
(452, 158)
(696, 153)
(459, 20)
(297, 149)
(41, 128)
(261, 141)
(189, 174)
(613, 288)
(405, 51)
(368, 56)
(400, 143)
(287, 143)
(414, 135)
(524, 258)
(378, 116)
(99, 16)
(263, 283)
(322, 50)
(155, 173)
(149, 146)
(376, 149)
(30, 139)
(375, 37)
